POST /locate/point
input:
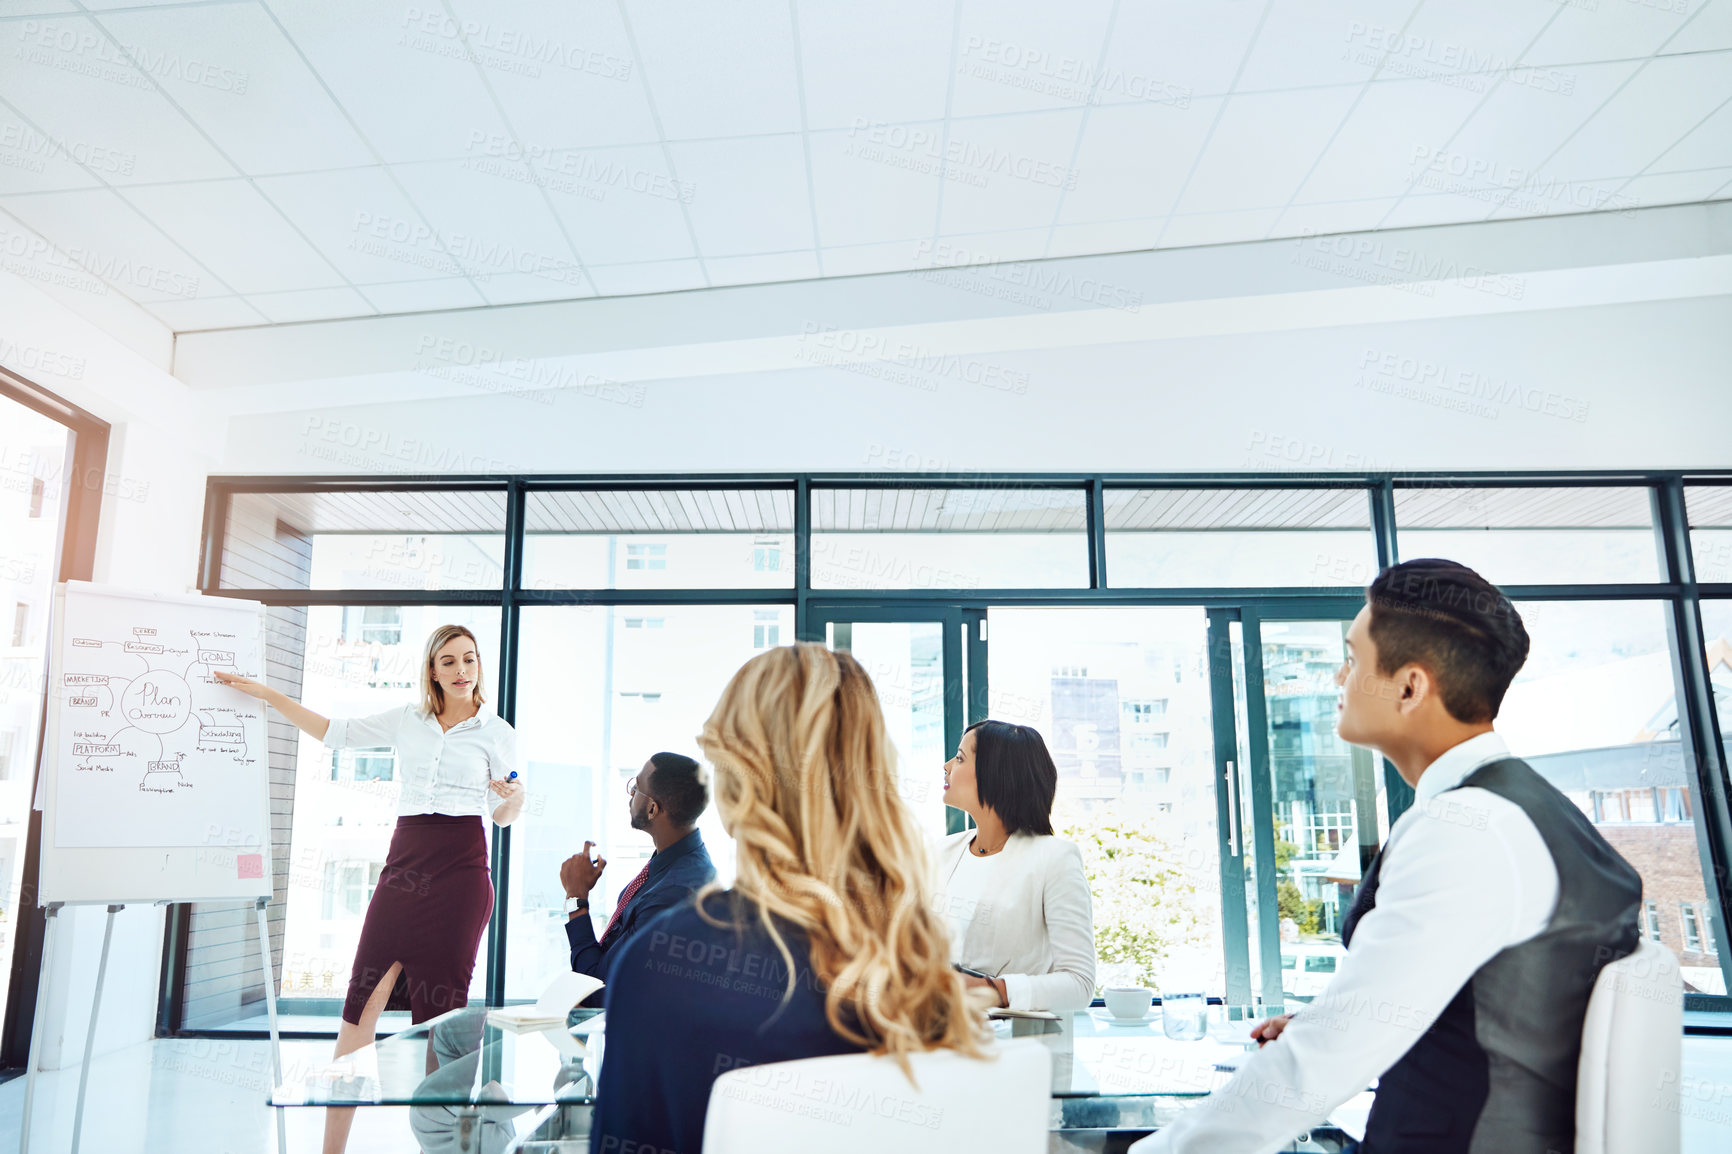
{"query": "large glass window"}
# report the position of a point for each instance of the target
(1594, 710)
(1238, 537)
(659, 539)
(1532, 536)
(1123, 693)
(33, 459)
(983, 538)
(598, 691)
(1121, 696)
(345, 803)
(1327, 803)
(1709, 508)
(424, 539)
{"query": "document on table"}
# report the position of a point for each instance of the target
(551, 1008)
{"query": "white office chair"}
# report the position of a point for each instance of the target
(1632, 1048)
(860, 1104)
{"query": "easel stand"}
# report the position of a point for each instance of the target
(48, 943)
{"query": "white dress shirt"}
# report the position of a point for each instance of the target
(1022, 914)
(442, 771)
(1464, 876)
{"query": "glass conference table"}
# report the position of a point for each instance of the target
(473, 1087)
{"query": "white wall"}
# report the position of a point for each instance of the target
(161, 447)
(1629, 385)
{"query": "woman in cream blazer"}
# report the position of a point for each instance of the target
(1015, 897)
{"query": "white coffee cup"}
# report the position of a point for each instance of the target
(1128, 1003)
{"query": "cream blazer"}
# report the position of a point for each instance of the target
(1036, 930)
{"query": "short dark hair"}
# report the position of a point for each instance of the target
(1014, 775)
(1453, 622)
(678, 785)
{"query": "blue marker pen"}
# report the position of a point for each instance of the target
(512, 776)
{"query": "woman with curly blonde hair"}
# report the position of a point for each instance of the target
(826, 944)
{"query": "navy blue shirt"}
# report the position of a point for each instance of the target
(675, 874)
(686, 1002)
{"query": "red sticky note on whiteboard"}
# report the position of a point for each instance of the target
(250, 865)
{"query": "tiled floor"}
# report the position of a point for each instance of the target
(173, 1096)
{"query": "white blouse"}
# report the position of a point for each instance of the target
(1022, 914)
(442, 771)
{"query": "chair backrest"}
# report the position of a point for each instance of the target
(1632, 1048)
(860, 1104)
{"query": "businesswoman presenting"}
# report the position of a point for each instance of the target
(434, 895)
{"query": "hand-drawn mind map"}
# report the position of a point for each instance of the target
(155, 751)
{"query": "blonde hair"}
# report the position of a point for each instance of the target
(432, 693)
(806, 784)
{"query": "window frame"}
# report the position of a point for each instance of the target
(81, 510)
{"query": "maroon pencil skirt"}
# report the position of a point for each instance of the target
(428, 911)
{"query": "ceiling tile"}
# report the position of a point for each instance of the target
(563, 73)
(973, 248)
(1134, 159)
(11, 8)
(360, 221)
(99, 235)
(423, 295)
(1105, 236)
(212, 313)
(34, 161)
(1608, 30)
(1027, 57)
(1175, 51)
(1262, 147)
(877, 183)
(751, 194)
(1388, 139)
(1476, 37)
(886, 256)
(620, 205)
(1442, 208)
(1516, 128)
(658, 276)
(1661, 105)
(512, 288)
(1009, 170)
(1338, 216)
(91, 96)
(232, 230)
(373, 56)
(1708, 145)
(886, 62)
(766, 269)
(230, 68)
(489, 227)
(1675, 187)
(718, 69)
(310, 305)
(1218, 228)
(1321, 42)
(1710, 30)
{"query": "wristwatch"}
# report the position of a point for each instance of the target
(576, 906)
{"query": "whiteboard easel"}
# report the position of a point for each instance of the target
(141, 746)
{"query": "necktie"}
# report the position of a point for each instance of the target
(625, 898)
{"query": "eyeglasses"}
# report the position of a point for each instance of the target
(632, 790)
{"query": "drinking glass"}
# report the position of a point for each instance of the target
(1184, 1017)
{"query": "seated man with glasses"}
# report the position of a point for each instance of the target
(666, 798)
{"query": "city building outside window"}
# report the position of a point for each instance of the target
(1651, 919)
(1692, 927)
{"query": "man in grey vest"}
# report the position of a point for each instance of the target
(1475, 938)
